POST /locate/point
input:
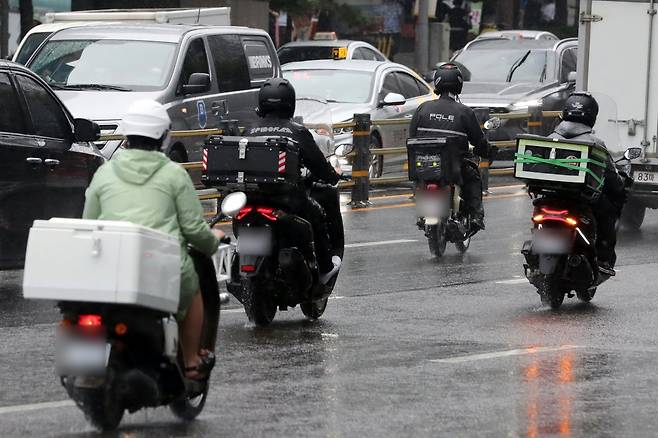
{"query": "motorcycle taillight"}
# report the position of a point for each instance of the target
(268, 213)
(548, 215)
(243, 212)
(90, 321)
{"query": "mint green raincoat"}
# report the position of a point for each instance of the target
(146, 188)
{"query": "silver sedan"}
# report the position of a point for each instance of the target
(385, 90)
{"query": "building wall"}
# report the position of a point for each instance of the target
(251, 13)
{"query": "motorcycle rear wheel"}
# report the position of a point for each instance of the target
(436, 238)
(100, 406)
(258, 305)
(187, 409)
(314, 309)
(551, 292)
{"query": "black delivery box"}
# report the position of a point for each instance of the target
(436, 159)
(548, 164)
(229, 160)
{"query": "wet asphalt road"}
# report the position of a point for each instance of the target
(409, 346)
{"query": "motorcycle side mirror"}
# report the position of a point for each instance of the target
(233, 203)
(633, 153)
(493, 123)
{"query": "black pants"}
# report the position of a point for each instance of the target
(472, 189)
(606, 212)
(313, 212)
(329, 198)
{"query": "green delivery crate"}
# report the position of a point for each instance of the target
(547, 165)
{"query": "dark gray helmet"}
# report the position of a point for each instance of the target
(581, 107)
(277, 96)
(448, 77)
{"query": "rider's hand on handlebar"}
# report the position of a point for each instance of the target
(218, 233)
(344, 177)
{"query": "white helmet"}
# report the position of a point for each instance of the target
(146, 118)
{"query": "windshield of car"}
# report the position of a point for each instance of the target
(304, 53)
(333, 86)
(31, 43)
(501, 65)
(105, 64)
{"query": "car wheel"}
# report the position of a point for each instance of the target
(376, 168)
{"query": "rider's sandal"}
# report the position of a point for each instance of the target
(203, 368)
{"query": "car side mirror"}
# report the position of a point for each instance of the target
(393, 99)
(571, 77)
(633, 153)
(198, 83)
(85, 130)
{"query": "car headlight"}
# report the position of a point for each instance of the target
(323, 131)
(340, 131)
(525, 104)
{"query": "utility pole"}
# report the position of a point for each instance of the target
(422, 37)
(4, 28)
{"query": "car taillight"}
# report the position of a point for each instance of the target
(243, 212)
(90, 320)
(267, 213)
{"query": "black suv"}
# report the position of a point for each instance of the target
(512, 75)
(46, 159)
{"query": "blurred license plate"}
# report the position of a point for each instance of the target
(550, 243)
(255, 241)
(81, 356)
(645, 177)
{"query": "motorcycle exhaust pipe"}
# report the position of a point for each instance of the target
(295, 269)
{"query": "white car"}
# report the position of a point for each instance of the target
(385, 90)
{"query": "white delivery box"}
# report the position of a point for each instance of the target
(102, 262)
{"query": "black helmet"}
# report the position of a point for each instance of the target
(581, 107)
(448, 77)
(276, 96)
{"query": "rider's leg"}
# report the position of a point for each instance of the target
(606, 216)
(190, 331)
(472, 192)
(328, 197)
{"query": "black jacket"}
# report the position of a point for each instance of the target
(614, 184)
(311, 156)
(445, 116)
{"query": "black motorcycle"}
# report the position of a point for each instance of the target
(112, 358)
(274, 265)
(435, 167)
(561, 255)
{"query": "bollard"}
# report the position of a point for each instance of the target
(483, 114)
(535, 121)
(361, 164)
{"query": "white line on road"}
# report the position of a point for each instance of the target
(497, 354)
(383, 242)
(36, 406)
(513, 281)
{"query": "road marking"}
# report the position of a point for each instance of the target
(513, 281)
(497, 354)
(411, 204)
(36, 406)
(380, 243)
(336, 297)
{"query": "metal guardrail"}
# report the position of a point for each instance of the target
(361, 127)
